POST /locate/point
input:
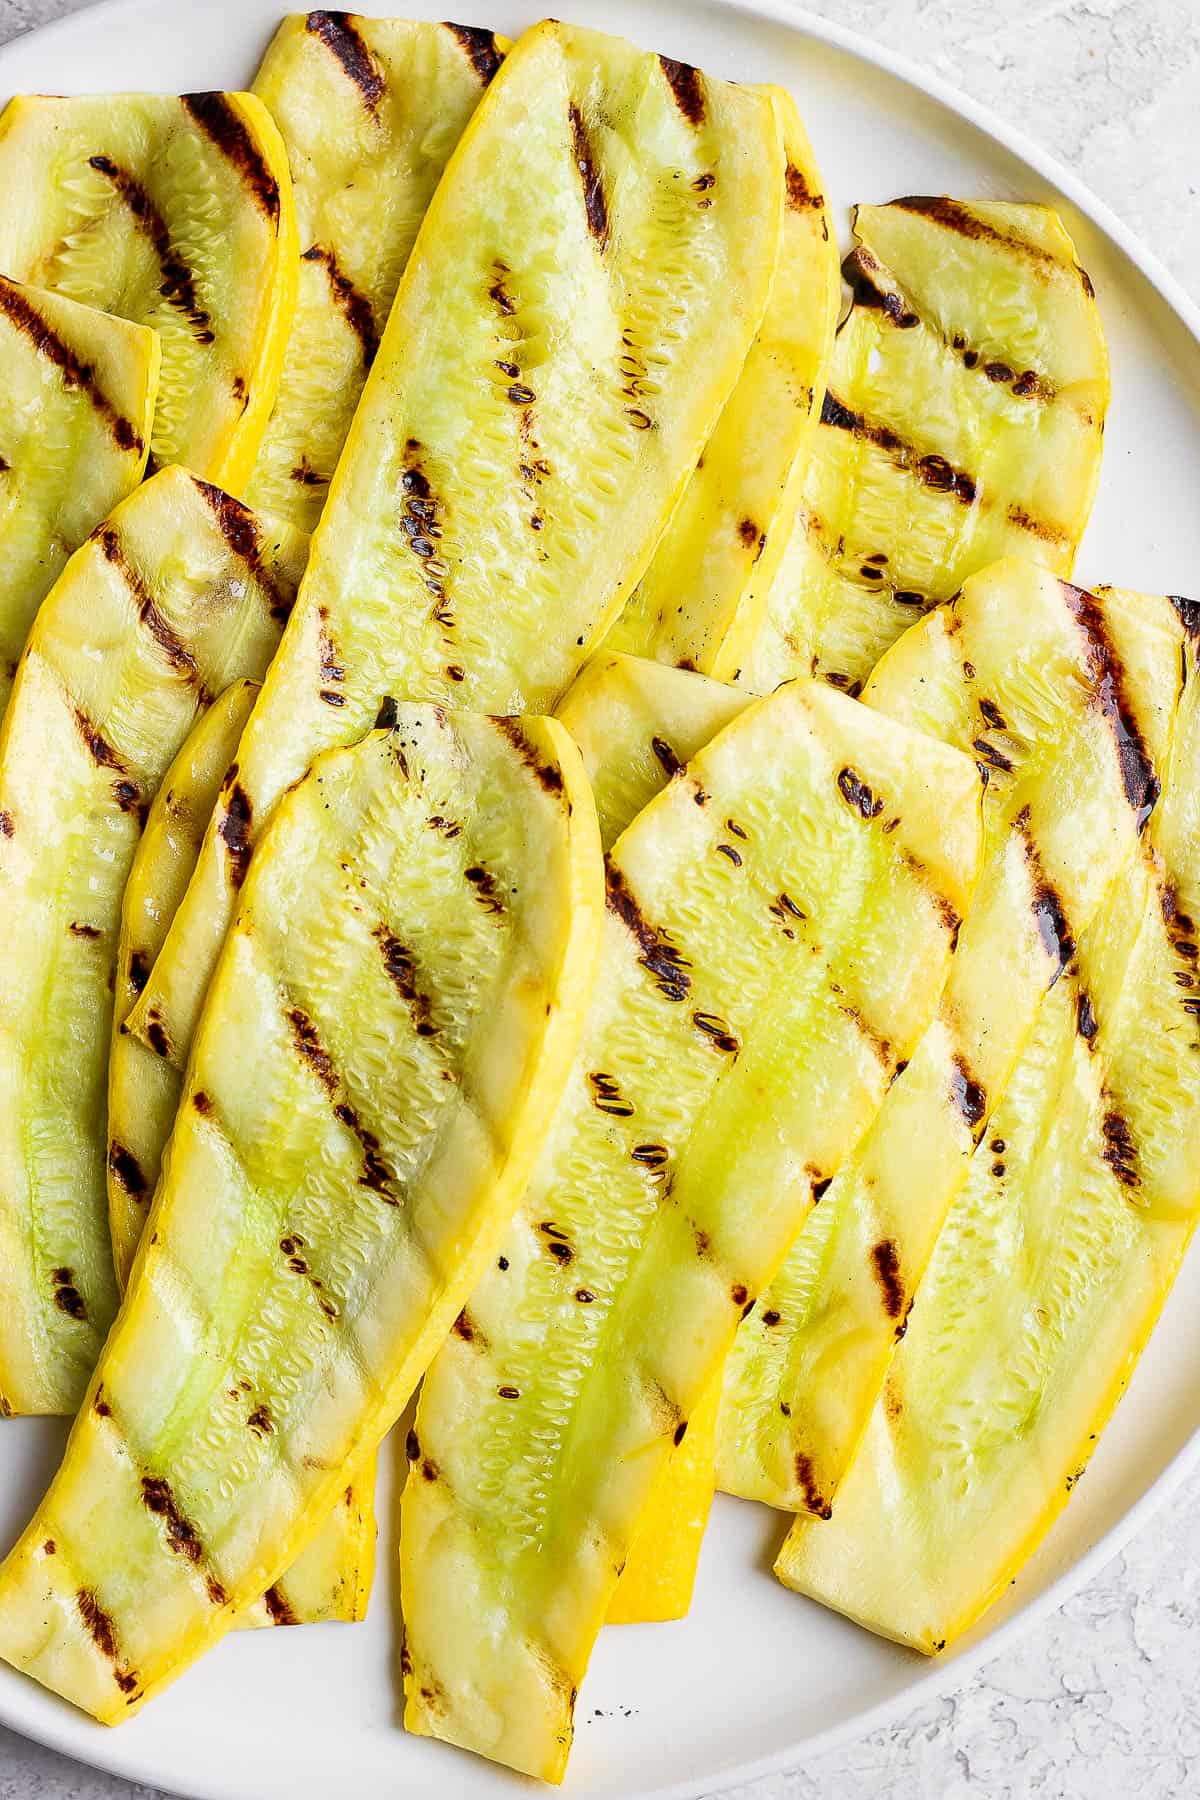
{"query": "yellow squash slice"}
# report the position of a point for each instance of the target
(507, 476)
(369, 110)
(1068, 702)
(392, 1020)
(174, 212)
(963, 422)
(77, 392)
(180, 591)
(779, 922)
(1052, 1267)
(700, 602)
(332, 1578)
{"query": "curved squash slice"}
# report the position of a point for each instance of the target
(507, 476)
(963, 422)
(179, 592)
(1052, 1267)
(369, 110)
(77, 395)
(393, 1018)
(1068, 701)
(332, 1578)
(773, 945)
(700, 602)
(175, 213)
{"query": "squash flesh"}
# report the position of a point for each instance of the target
(174, 212)
(1051, 1270)
(77, 391)
(547, 1416)
(178, 593)
(395, 1010)
(963, 423)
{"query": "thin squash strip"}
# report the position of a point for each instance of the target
(369, 110)
(393, 1018)
(1068, 701)
(700, 602)
(506, 478)
(77, 392)
(1052, 1267)
(778, 926)
(175, 212)
(963, 422)
(332, 1579)
(179, 592)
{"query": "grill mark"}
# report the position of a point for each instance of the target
(798, 196)
(1188, 612)
(861, 272)
(659, 956)
(994, 758)
(400, 966)
(1048, 913)
(668, 762)
(607, 1096)
(880, 1045)
(178, 285)
(594, 203)
(858, 795)
(237, 817)
(420, 521)
(717, 1031)
(218, 121)
(814, 1502)
(956, 217)
(156, 1034)
(98, 746)
(376, 1174)
(310, 1049)
(932, 470)
(76, 374)
(128, 1171)
(103, 1633)
(80, 930)
(67, 1297)
(687, 86)
(485, 888)
(885, 1262)
(151, 615)
(338, 33)
(242, 534)
(967, 1095)
(1138, 776)
(1038, 528)
(480, 48)
(278, 1610)
(1120, 1151)
(139, 970)
(7, 826)
(260, 1421)
(182, 1536)
(354, 306)
(1085, 1017)
(547, 775)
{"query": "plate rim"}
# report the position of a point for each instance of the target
(61, 1734)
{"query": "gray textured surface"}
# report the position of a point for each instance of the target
(1099, 1702)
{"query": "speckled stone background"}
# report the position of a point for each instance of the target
(1101, 1701)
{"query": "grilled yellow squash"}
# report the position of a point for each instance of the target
(779, 922)
(369, 110)
(393, 1018)
(1068, 702)
(1051, 1269)
(180, 591)
(77, 391)
(963, 422)
(175, 212)
(332, 1578)
(660, 1571)
(507, 476)
(700, 602)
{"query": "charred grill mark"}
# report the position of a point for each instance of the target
(103, 1633)
(731, 855)
(79, 930)
(237, 817)
(956, 217)
(240, 529)
(994, 758)
(293, 1248)
(67, 1297)
(354, 306)
(156, 1034)
(306, 475)
(806, 1481)
(6, 824)
(99, 748)
(1085, 1017)
(260, 1421)
(557, 1243)
(1040, 528)
(1051, 920)
(421, 523)
(594, 203)
(717, 1032)
(340, 36)
(1120, 1151)
(278, 1609)
(139, 970)
(992, 715)
(178, 284)
(932, 470)
(498, 294)
(222, 126)
(659, 956)
(376, 1174)
(400, 967)
(310, 1049)
(128, 1171)
(1188, 612)
(650, 1156)
(182, 1537)
(798, 195)
(485, 889)
(966, 1094)
(465, 1327)
(151, 615)
(667, 760)
(203, 1103)
(885, 1263)
(1138, 776)
(607, 1096)
(548, 775)
(863, 275)
(480, 48)
(880, 1045)
(1182, 933)
(687, 86)
(24, 317)
(857, 795)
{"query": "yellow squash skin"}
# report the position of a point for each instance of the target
(660, 1572)
(174, 212)
(392, 1020)
(772, 947)
(449, 563)
(369, 110)
(963, 422)
(1052, 1268)
(1049, 688)
(179, 592)
(332, 1579)
(700, 602)
(77, 391)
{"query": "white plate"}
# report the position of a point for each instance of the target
(755, 1679)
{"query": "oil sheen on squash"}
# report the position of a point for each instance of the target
(77, 392)
(393, 1017)
(778, 926)
(564, 335)
(175, 212)
(370, 110)
(179, 592)
(1068, 701)
(963, 422)
(1053, 1265)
